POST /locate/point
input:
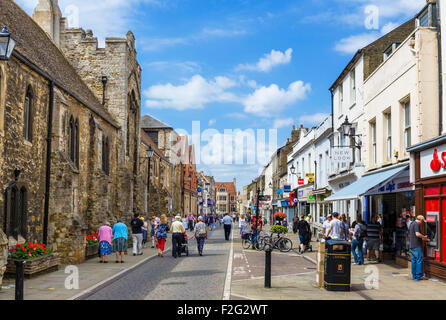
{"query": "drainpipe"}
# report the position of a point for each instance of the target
(332, 110)
(48, 163)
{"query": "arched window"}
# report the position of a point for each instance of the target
(71, 138)
(28, 128)
(76, 143)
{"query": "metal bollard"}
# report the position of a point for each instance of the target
(19, 276)
(268, 251)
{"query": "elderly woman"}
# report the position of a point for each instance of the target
(200, 234)
(161, 234)
(105, 235)
(155, 222)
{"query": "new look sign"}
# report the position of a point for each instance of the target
(342, 155)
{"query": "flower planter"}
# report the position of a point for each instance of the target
(33, 267)
(92, 251)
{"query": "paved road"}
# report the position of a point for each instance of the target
(185, 278)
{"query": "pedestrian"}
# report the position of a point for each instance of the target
(295, 223)
(211, 222)
(161, 234)
(227, 224)
(326, 226)
(380, 220)
(401, 231)
(191, 219)
(120, 238)
(416, 248)
(234, 216)
(105, 235)
(184, 221)
(358, 237)
(137, 236)
(336, 229)
(242, 224)
(346, 234)
(374, 238)
(144, 232)
(304, 233)
(178, 232)
(200, 234)
(153, 230)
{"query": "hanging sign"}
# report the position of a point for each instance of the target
(342, 155)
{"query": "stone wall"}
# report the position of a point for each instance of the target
(3, 255)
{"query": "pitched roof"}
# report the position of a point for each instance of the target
(34, 45)
(145, 138)
(229, 186)
(149, 122)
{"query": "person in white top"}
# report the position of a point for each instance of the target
(326, 226)
(336, 228)
(242, 223)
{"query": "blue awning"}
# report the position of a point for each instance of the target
(364, 184)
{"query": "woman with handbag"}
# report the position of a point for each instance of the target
(200, 234)
(161, 234)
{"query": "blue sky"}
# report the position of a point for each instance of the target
(239, 64)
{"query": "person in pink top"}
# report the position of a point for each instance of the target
(105, 238)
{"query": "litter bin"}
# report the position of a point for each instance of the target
(337, 265)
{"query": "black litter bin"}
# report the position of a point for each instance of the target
(337, 265)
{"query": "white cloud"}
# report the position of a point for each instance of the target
(267, 100)
(280, 123)
(194, 94)
(354, 43)
(313, 119)
(269, 61)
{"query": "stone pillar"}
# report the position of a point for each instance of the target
(3, 255)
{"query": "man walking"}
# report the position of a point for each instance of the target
(227, 224)
(416, 248)
(374, 237)
(326, 226)
(304, 233)
(177, 236)
(137, 225)
(191, 219)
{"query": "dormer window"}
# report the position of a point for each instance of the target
(428, 17)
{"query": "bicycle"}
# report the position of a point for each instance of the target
(280, 242)
(253, 241)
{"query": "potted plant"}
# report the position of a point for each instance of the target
(92, 248)
(38, 258)
(279, 229)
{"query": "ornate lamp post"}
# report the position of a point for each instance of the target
(7, 44)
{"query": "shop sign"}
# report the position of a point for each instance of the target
(301, 182)
(433, 162)
(342, 155)
(305, 193)
(279, 191)
(287, 189)
(310, 177)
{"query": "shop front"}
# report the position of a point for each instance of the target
(394, 201)
(429, 174)
(306, 201)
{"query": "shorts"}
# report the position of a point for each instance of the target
(303, 238)
(119, 245)
(373, 244)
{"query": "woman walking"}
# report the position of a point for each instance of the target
(200, 234)
(161, 234)
(144, 232)
(120, 236)
(242, 224)
(105, 235)
(155, 223)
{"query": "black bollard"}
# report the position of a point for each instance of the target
(19, 275)
(268, 267)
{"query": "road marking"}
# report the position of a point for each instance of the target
(227, 291)
(243, 297)
(107, 281)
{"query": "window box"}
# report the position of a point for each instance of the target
(37, 266)
(91, 251)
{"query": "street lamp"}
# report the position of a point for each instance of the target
(7, 44)
(346, 127)
(149, 155)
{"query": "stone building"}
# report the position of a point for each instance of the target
(168, 142)
(159, 200)
(79, 163)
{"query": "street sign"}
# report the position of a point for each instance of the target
(199, 189)
(310, 177)
(287, 189)
(301, 182)
(279, 191)
(342, 155)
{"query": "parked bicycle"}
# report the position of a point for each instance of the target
(277, 241)
(252, 240)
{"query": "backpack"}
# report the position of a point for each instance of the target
(202, 231)
(361, 232)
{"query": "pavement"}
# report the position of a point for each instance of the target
(294, 278)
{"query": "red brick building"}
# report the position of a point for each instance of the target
(226, 197)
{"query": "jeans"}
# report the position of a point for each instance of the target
(137, 243)
(227, 231)
(357, 246)
(177, 238)
(417, 263)
(191, 226)
(200, 244)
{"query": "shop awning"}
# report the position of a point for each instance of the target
(364, 184)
